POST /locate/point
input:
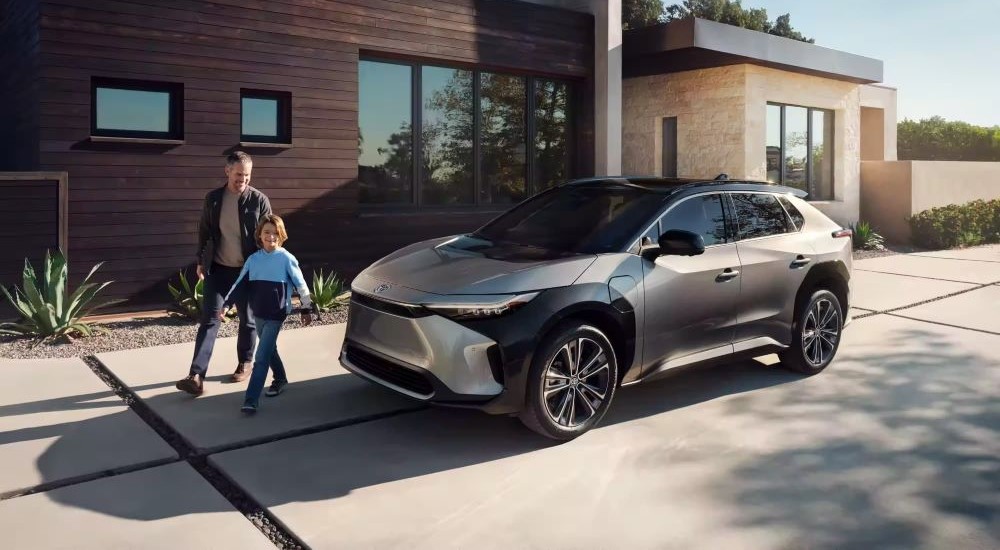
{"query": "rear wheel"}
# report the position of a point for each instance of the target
(816, 334)
(571, 382)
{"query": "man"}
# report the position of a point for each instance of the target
(226, 239)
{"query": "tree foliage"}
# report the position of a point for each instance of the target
(938, 139)
(643, 13)
(637, 14)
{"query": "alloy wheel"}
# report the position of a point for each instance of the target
(820, 332)
(577, 380)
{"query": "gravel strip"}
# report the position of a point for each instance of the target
(137, 333)
(890, 250)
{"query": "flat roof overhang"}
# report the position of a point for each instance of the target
(693, 43)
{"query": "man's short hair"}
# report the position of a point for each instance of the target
(238, 157)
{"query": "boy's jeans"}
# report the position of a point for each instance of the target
(267, 353)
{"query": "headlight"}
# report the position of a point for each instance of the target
(481, 310)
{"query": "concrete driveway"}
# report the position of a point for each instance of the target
(896, 445)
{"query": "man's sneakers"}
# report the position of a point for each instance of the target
(243, 371)
(193, 384)
(249, 409)
(277, 386)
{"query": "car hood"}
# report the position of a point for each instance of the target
(468, 265)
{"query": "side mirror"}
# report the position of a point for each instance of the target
(677, 242)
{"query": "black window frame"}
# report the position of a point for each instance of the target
(810, 180)
(284, 114)
(175, 117)
(532, 187)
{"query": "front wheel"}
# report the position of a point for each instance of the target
(571, 382)
(816, 334)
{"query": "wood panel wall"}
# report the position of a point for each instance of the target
(136, 207)
(19, 84)
(32, 221)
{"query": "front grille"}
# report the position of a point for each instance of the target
(390, 372)
(389, 307)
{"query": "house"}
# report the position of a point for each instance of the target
(376, 123)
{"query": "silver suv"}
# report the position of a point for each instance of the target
(547, 309)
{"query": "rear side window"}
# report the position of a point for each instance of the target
(797, 218)
(760, 215)
(702, 215)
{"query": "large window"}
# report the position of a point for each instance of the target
(136, 109)
(440, 136)
(799, 149)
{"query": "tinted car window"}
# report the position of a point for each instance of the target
(760, 215)
(587, 219)
(797, 218)
(702, 215)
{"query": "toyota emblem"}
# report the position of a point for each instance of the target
(382, 287)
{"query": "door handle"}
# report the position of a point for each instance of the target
(727, 275)
(800, 261)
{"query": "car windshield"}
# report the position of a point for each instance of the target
(584, 219)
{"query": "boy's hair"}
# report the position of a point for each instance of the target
(238, 157)
(279, 225)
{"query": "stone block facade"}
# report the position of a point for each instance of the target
(722, 124)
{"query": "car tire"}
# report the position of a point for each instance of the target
(816, 334)
(564, 401)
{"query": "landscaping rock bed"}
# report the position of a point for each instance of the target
(140, 332)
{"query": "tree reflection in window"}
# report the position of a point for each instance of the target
(385, 135)
(504, 144)
(760, 215)
(702, 215)
(448, 168)
(551, 133)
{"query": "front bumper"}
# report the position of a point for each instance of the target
(423, 356)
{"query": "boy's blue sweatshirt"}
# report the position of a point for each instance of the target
(270, 277)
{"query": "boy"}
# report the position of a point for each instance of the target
(269, 275)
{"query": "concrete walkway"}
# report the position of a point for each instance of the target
(896, 445)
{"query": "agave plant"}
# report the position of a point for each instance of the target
(189, 298)
(865, 237)
(47, 308)
(325, 290)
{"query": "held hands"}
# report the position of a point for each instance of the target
(200, 271)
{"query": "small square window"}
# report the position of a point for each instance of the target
(265, 116)
(136, 109)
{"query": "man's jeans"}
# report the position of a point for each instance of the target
(267, 353)
(217, 283)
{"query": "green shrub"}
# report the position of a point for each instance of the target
(949, 226)
(325, 290)
(47, 308)
(189, 299)
(865, 237)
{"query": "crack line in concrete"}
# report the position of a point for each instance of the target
(959, 259)
(920, 276)
(945, 324)
(891, 310)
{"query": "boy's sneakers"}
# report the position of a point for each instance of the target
(277, 387)
(249, 409)
(192, 384)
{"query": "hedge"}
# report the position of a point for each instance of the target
(949, 226)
